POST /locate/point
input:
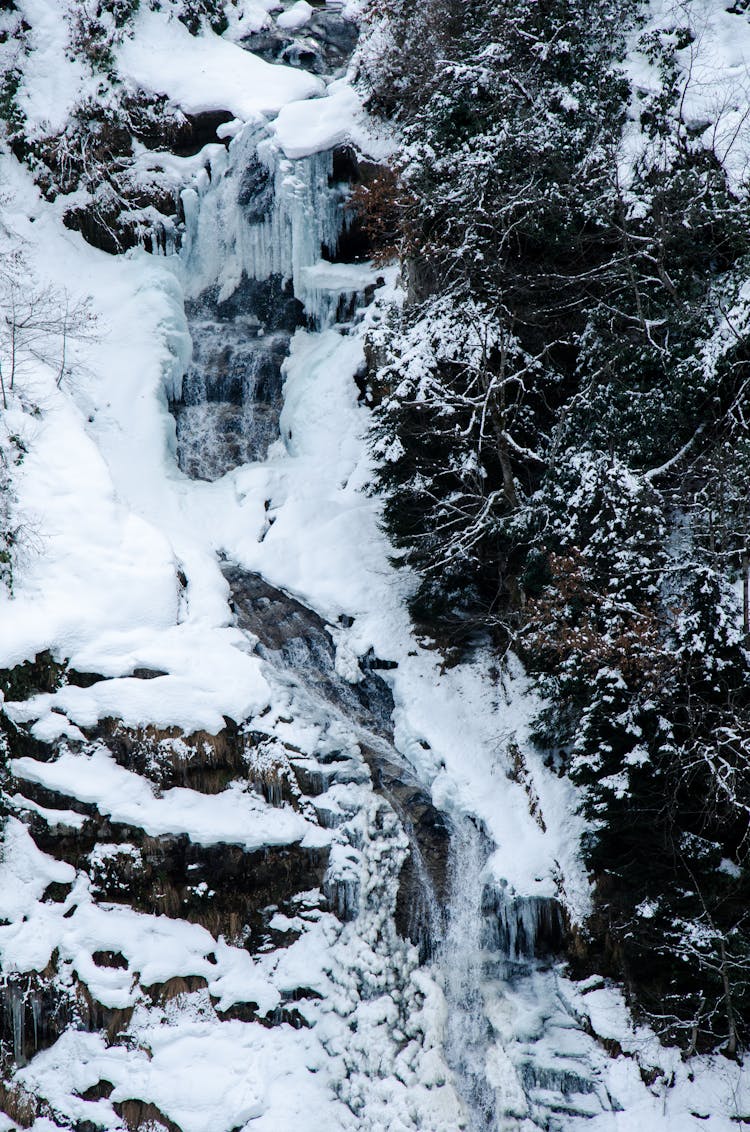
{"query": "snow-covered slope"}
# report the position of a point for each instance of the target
(266, 864)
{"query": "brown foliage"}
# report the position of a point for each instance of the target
(19, 1105)
(141, 1116)
(378, 206)
(568, 623)
(176, 987)
(519, 772)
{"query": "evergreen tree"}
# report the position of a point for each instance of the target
(506, 213)
(561, 419)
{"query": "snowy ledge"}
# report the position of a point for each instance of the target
(206, 72)
(236, 816)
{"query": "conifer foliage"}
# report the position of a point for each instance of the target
(561, 420)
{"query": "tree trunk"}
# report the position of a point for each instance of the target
(509, 486)
(731, 1050)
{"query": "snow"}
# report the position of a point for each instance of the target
(25, 872)
(70, 818)
(158, 54)
(714, 81)
(250, 16)
(295, 16)
(122, 572)
(49, 90)
(236, 686)
(128, 577)
(156, 948)
(305, 127)
(111, 605)
(700, 1093)
(207, 72)
(235, 816)
(229, 1074)
(186, 1062)
(451, 726)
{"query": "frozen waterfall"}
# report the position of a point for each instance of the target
(259, 263)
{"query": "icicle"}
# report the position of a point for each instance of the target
(521, 928)
(261, 214)
(17, 1002)
(553, 1077)
(342, 882)
(342, 894)
(36, 1014)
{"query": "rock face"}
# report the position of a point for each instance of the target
(220, 913)
(322, 45)
(227, 889)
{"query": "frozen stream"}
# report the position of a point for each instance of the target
(490, 954)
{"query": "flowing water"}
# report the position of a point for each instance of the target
(254, 268)
(461, 957)
(438, 960)
(229, 411)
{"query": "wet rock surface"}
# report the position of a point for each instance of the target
(208, 930)
(299, 644)
(231, 398)
(323, 45)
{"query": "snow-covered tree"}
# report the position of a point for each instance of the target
(561, 419)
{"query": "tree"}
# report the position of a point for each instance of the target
(561, 419)
(507, 231)
(40, 327)
(38, 324)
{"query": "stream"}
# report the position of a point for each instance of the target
(255, 271)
